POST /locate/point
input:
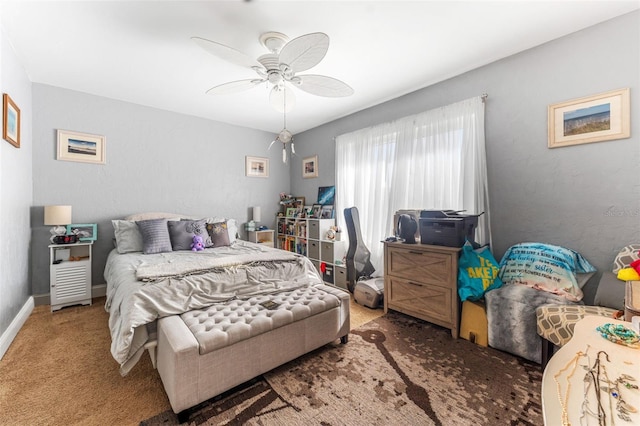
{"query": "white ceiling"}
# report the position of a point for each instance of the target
(141, 51)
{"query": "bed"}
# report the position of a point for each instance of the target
(154, 293)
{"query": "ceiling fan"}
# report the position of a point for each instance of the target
(279, 68)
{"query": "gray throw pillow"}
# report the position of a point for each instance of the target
(155, 236)
(219, 234)
(182, 233)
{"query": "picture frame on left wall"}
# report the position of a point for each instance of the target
(81, 147)
(256, 167)
(10, 121)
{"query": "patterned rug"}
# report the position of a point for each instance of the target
(395, 370)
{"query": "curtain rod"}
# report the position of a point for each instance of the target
(484, 97)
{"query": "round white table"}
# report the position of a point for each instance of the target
(622, 360)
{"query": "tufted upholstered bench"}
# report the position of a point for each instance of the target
(555, 324)
(203, 353)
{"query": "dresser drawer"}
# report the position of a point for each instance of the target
(421, 266)
(326, 251)
(428, 301)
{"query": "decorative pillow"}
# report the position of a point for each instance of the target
(478, 272)
(155, 236)
(182, 233)
(545, 267)
(624, 258)
(219, 234)
(128, 237)
(232, 226)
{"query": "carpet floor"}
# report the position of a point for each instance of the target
(59, 371)
(395, 370)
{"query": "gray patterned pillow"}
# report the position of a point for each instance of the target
(624, 258)
(219, 234)
(155, 236)
(182, 233)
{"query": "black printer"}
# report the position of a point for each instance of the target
(447, 227)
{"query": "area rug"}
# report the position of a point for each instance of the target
(395, 370)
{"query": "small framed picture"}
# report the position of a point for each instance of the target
(310, 167)
(84, 231)
(81, 147)
(299, 202)
(326, 212)
(316, 210)
(291, 211)
(257, 167)
(11, 121)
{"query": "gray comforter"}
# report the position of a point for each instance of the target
(142, 288)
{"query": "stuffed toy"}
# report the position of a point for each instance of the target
(198, 243)
(632, 273)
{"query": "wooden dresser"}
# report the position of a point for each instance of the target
(422, 281)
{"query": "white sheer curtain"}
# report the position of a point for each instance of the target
(432, 160)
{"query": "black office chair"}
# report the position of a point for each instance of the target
(358, 255)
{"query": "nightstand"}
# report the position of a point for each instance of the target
(70, 274)
(264, 237)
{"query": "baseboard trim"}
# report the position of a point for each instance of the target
(99, 290)
(15, 326)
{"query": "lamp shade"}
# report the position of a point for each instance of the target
(256, 214)
(57, 215)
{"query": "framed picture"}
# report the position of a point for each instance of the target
(326, 212)
(257, 167)
(291, 211)
(81, 147)
(596, 118)
(316, 210)
(84, 231)
(310, 167)
(326, 194)
(299, 202)
(10, 121)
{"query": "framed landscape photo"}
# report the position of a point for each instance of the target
(84, 231)
(596, 118)
(10, 121)
(310, 167)
(257, 167)
(81, 147)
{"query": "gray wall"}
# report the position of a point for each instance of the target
(585, 197)
(155, 161)
(15, 195)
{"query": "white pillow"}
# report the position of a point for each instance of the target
(128, 237)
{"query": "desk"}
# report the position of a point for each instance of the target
(623, 360)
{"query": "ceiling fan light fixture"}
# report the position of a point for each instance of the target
(281, 65)
(285, 136)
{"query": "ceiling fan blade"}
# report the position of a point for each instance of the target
(321, 85)
(304, 52)
(227, 53)
(277, 98)
(234, 86)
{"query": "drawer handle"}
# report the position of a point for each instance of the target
(416, 284)
(415, 252)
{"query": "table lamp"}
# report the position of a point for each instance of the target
(58, 216)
